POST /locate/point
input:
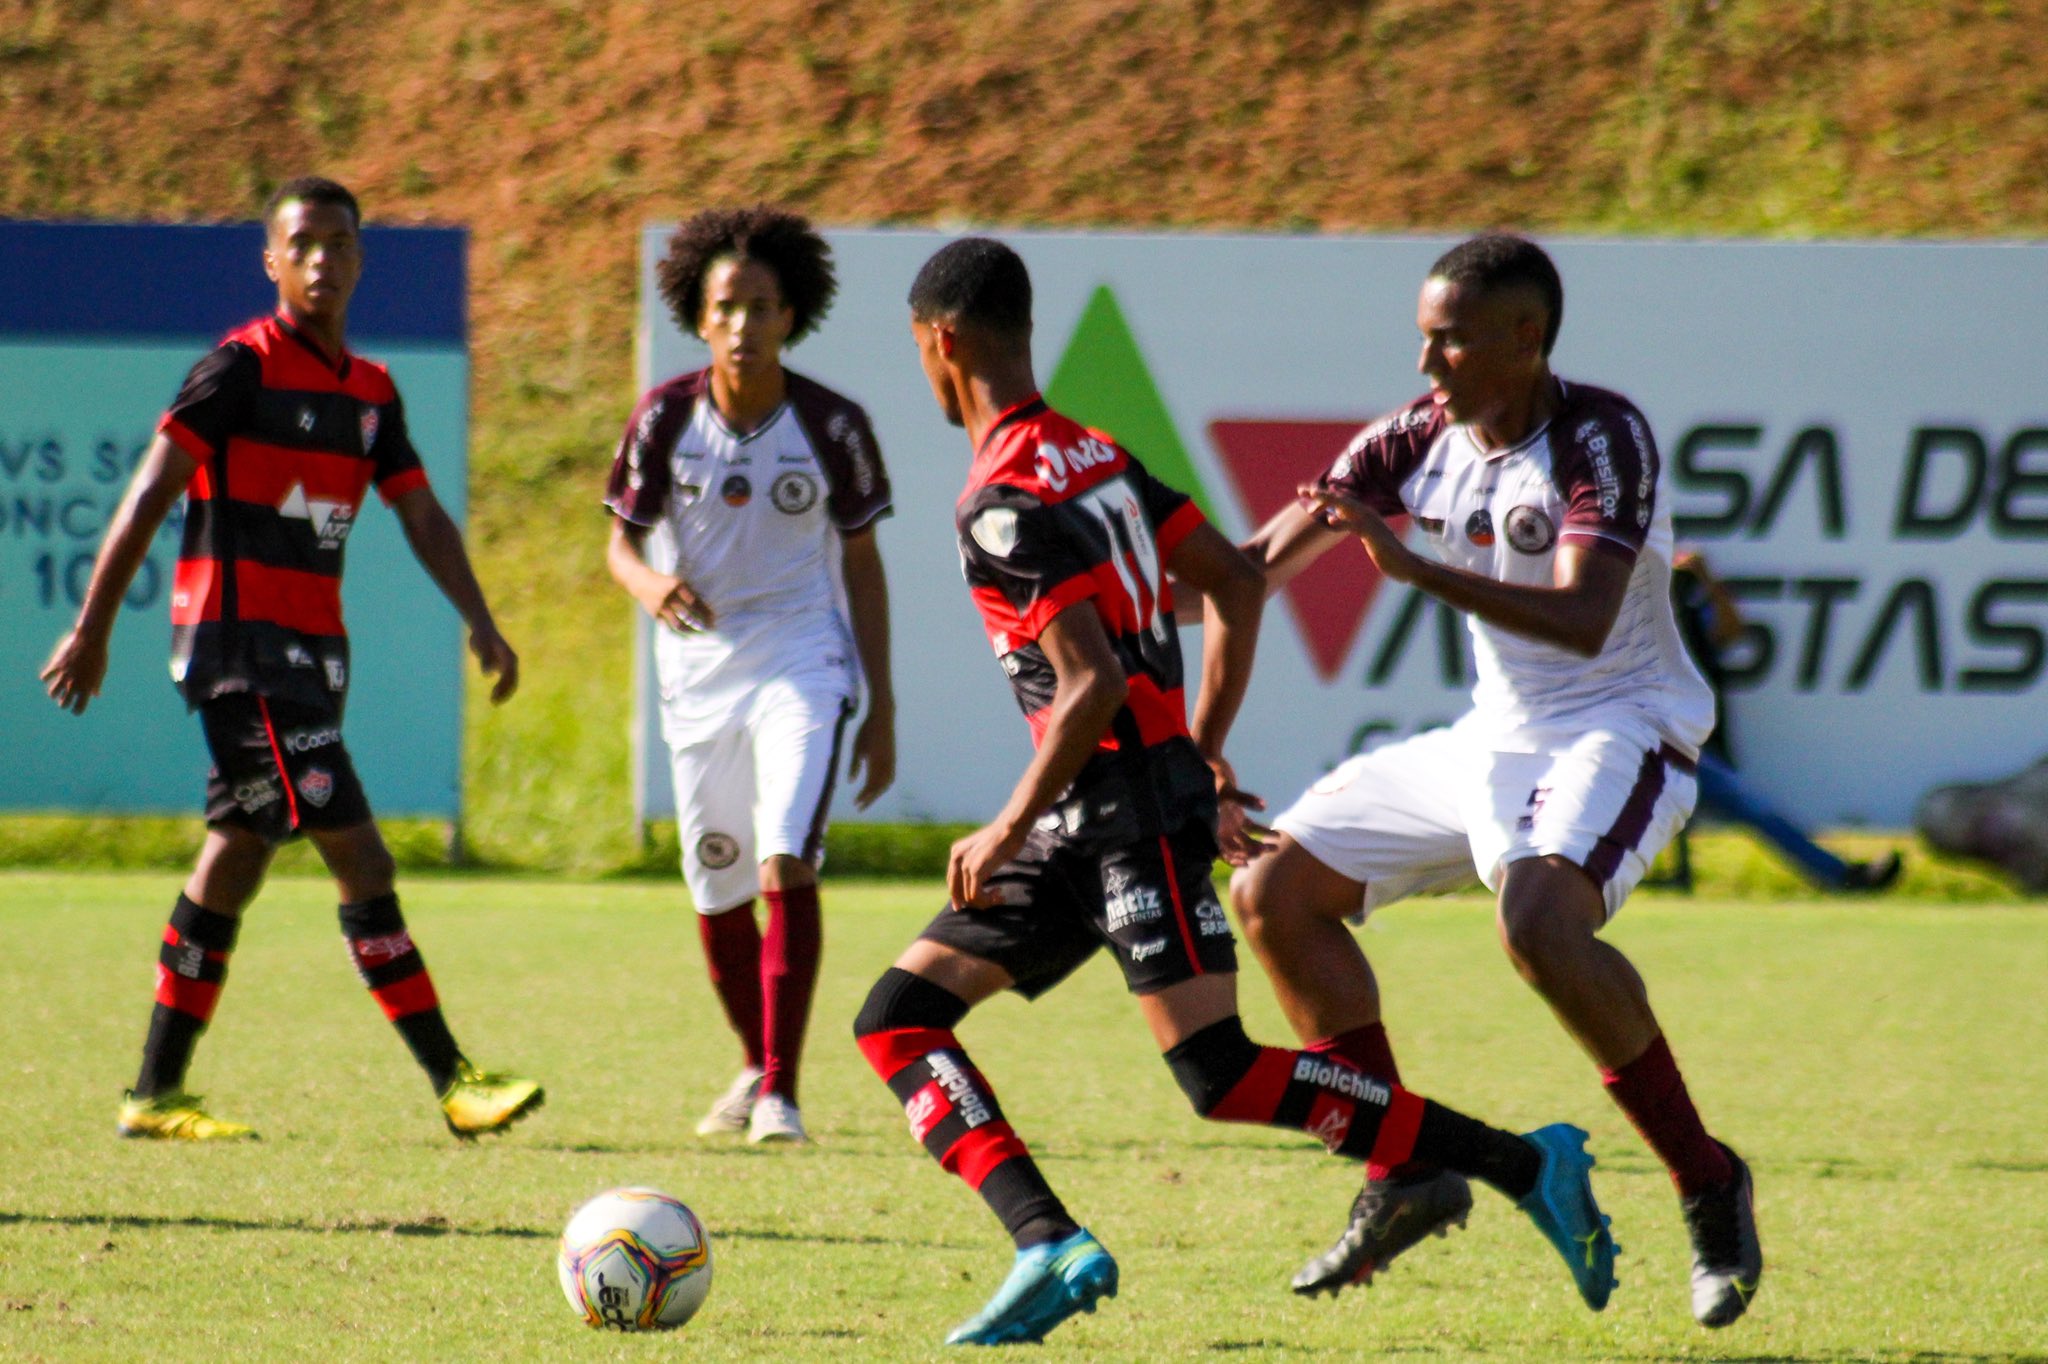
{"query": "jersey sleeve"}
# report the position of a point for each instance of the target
(858, 493)
(1173, 514)
(394, 462)
(1025, 561)
(1607, 473)
(637, 490)
(1382, 455)
(214, 401)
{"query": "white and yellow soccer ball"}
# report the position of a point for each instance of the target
(635, 1260)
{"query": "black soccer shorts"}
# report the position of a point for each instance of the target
(278, 767)
(1151, 901)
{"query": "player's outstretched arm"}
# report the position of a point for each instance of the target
(867, 600)
(78, 665)
(437, 543)
(665, 597)
(1575, 612)
(1089, 688)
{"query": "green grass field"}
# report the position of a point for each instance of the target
(1883, 1066)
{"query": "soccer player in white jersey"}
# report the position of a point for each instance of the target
(1546, 509)
(735, 490)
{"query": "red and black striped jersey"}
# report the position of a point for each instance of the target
(288, 441)
(1055, 514)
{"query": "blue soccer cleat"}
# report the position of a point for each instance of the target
(1562, 1207)
(1048, 1284)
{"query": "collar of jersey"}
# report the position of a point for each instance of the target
(1016, 412)
(290, 329)
(718, 417)
(1528, 441)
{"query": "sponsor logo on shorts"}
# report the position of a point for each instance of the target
(316, 784)
(1133, 905)
(1479, 527)
(1343, 1080)
(254, 795)
(337, 673)
(960, 1088)
(736, 490)
(1529, 530)
(295, 654)
(718, 851)
(1145, 951)
(1210, 920)
(793, 493)
(306, 740)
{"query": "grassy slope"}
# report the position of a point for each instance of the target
(1886, 1074)
(553, 129)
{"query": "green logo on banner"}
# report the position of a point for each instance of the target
(1101, 381)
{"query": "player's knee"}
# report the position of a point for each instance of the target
(1209, 1064)
(902, 999)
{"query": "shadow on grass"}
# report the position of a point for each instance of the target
(1879, 1356)
(424, 1226)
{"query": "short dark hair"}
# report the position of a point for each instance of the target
(977, 280)
(311, 189)
(782, 241)
(1502, 260)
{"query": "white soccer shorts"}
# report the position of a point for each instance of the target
(759, 789)
(1428, 812)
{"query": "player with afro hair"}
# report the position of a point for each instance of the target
(782, 241)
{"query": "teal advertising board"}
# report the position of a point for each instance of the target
(98, 325)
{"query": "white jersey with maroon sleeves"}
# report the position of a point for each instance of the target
(1591, 475)
(748, 522)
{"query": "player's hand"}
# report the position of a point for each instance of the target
(1238, 838)
(1341, 511)
(680, 608)
(496, 658)
(77, 667)
(975, 859)
(874, 752)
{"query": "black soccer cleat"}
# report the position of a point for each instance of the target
(1387, 1217)
(1727, 1259)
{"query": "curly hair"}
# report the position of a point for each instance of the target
(784, 242)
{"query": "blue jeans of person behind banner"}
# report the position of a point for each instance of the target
(1726, 794)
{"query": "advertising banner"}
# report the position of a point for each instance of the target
(98, 325)
(1857, 438)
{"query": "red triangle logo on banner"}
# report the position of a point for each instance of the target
(1266, 462)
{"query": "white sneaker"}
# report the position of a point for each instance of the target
(776, 1119)
(730, 1111)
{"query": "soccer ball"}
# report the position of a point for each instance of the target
(635, 1260)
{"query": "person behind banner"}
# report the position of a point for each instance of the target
(736, 490)
(273, 440)
(1112, 831)
(1546, 513)
(1710, 622)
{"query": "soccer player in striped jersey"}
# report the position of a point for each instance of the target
(273, 441)
(736, 490)
(1548, 523)
(1112, 831)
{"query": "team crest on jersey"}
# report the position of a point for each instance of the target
(316, 784)
(1529, 530)
(1479, 527)
(793, 493)
(995, 530)
(718, 851)
(369, 424)
(736, 491)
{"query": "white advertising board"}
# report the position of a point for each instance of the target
(1857, 434)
